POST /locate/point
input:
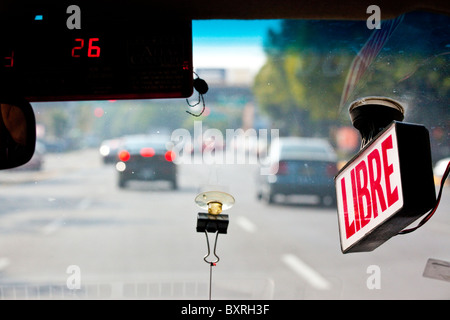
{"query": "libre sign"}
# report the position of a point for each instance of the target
(385, 187)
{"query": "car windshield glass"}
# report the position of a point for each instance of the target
(79, 222)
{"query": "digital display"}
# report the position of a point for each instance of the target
(93, 51)
(44, 60)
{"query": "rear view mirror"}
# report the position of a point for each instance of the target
(17, 132)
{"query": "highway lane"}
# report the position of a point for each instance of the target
(141, 242)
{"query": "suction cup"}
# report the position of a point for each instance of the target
(214, 201)
(371, 115)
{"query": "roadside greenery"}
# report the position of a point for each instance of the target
(300, 85)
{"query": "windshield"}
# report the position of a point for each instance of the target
(75, 226)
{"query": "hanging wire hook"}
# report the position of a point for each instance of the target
(211, 263)
(202, 87)
(209, 250)
(200, 96)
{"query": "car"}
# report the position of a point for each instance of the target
(300, 166)
(146, 158)
(439, 169)
(108, 150)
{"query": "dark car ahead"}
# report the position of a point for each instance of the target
(146, 158)
(300, 166)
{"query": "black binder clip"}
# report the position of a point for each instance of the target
(215, 202)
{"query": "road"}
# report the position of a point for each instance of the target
(68, 232)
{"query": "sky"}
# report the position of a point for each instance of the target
(230, 43)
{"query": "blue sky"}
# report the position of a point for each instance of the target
(230, 43)
(234, 30)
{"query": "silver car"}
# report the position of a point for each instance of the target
(300, 166)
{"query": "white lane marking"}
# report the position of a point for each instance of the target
(306, 272)
(246, 224)
(4, 262)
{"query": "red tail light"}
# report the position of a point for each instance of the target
(170, 156)
(282, 168)
(124, 155)
(147, 152)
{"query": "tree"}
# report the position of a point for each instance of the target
(59, 122)
(301, 84)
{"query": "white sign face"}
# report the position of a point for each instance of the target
(369, 190)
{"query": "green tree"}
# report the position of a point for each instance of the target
(59, 122)
(301, 83)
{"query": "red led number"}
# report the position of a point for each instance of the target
(92, 52)
(81, 45)
(9, 60)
